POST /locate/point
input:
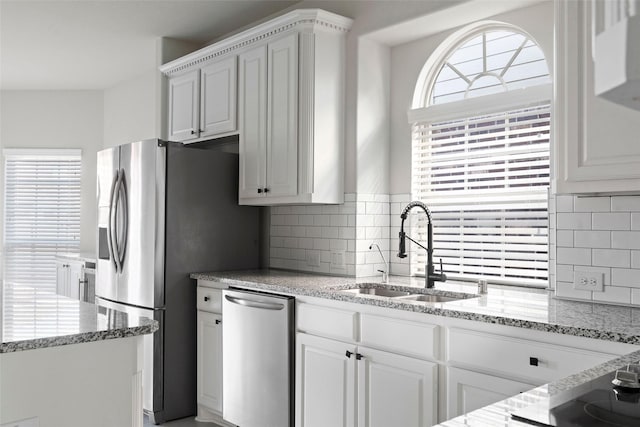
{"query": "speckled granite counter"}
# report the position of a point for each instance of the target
(526, 308)
(31, 320)
(531, 309)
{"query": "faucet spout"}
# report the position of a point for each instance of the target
(430, 275)
(385, 272)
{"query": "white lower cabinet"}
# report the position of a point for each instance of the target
(340, 384)
(325, 382)
(209, 356)
(395, 390)
(468, 390)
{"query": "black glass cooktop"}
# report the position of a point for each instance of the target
(596, 403)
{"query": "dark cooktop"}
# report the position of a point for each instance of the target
(595, 403)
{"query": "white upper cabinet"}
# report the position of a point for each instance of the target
(596, 141)
(290, 83)
(218, 97)
(184, 92)
(202, 102)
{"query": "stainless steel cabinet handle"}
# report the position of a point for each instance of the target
(254, 304)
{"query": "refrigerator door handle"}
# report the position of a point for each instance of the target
(124, 197)
(110, 234)
(254, 304)
(113, 222)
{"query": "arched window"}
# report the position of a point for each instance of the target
(481, 156)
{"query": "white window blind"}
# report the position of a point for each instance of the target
(485, 179)
(41, 216)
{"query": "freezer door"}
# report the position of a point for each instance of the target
(152, 371)
(108, 165)
(140, 217)
(257, 346)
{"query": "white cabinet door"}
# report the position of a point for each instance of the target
(218, 97)
(325, 382)
(252, 103)
(184, 102)
(282, 117)
(596, 141)
(396, 390)
(74, 272)
(209, 360)
(62, 282)
(468, 390)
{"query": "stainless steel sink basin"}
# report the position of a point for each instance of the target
(381, 292)
(430, 298)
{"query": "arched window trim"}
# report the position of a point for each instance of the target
(433, 65)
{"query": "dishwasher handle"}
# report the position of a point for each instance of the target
(254, 304)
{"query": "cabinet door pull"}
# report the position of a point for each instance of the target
(348, 354)
(259, 190)
(533, 361)
(266, 190)
(206, 298)
(218, 321)
(359, 356)
(193, 132)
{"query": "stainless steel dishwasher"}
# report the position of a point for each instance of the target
(258, 358)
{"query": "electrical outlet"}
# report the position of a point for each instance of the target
(313, 258)
(588, 281)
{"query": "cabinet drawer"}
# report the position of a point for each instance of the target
(209, 299)
(517, 358)
(328, 322)
(400, 336)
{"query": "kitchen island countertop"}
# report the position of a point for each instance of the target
(31, 319)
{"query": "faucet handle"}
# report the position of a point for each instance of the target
(441, 266)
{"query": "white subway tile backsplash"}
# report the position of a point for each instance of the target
(330, 232)
(625, 203)
(313, 231)
(625, 239)
(635, 221)
(322, 220)
(614, 294)
(305, 243)
(290, 242)
(564, 273)
(592, 204)
(565, 289)
(564, 204)
(611, 258)
(322, 244)
(338, 245)
(635, 296)
(290, 219)
(338, 220)
(349, 197)
(592, 239)
(611, 221)
(635, 260)
(298, 231)
(575, 256)
(373, 208)
(347, 233)
(305, 220)
(373, 233)
(564, 238)
(573, 221)
(625, 277)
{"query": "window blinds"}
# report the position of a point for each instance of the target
(42, 214)
(485, 180)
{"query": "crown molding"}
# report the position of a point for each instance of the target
(313, 20)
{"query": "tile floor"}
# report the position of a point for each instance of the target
(184, 422)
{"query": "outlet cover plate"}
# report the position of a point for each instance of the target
(588, 281)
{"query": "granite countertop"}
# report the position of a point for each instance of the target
(526, 308)
(31, 320)
(511, 306)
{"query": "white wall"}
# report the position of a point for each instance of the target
(130, 111)
(407, 61)
(57, 119)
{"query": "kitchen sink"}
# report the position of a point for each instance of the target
(381, 292)
(430, 298)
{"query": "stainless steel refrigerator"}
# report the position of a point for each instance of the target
(166, 210)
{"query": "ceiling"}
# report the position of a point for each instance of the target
(96, 44)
